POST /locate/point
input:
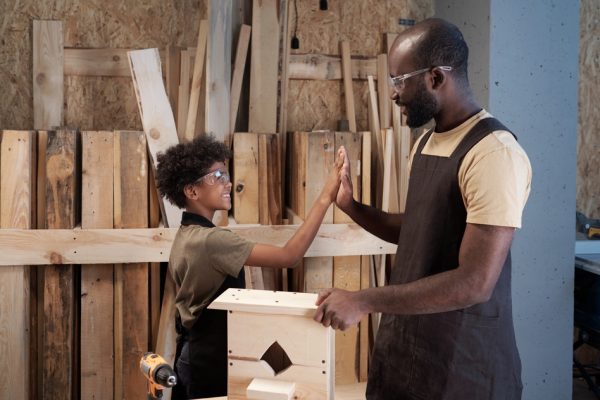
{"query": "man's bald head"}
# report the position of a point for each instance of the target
(433, 42)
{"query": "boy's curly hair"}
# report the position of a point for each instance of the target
(184, 163)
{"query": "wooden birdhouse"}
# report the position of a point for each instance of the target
(275, 349)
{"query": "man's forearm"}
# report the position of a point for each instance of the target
(447, 291)
(381, 224)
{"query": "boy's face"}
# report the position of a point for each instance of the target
(212, 191)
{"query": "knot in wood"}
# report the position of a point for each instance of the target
(154, 133)
(239, 188)
(55, 258)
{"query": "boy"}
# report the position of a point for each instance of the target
(206, 260)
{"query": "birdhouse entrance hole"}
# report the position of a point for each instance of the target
(277, 358)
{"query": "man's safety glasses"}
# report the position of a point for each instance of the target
(213, 177)
(397, 82)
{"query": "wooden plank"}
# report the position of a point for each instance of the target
(348, 91)
(97, 279)
(264, 66)
(173, 66)
(377, 151)
(17, 166)
(383, 91)
(59, 303)
(390, 202)
(109, 246)
(195, 93)
(238, 73)
(155, 268)
(365, 261)
(100, 62)
(246, 190)
(266, 302)
(218, 73)
(268, 274)
(245, 182)
(155, 111)
(48, 75)
(183, 94)
(320, 153)
(131, 282)
(284, 51)
(346, 270)
(270, 389)
(326, 67)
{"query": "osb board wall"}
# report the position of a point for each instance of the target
(588, 156)
(314, 105)
(91, 103)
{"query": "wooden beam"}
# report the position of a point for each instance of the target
(383, 91)
(106, 246)
(48, 75)
(326, 67)
(17, 170)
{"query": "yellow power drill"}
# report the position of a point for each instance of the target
(159, 373)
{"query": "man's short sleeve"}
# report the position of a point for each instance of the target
(227, 251)
(496, 184)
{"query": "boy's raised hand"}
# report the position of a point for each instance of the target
(344, 195)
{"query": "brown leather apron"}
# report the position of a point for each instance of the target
(464, 354)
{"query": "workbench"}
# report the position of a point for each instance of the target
(354, 391)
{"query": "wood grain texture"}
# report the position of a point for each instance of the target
(131, 282)
(17, 166)
(218, 71)
(238, 73)
(264, 66)
(155, 111)
(48, 75)
(195, 91)
(105, 246)
(96, 335)
(58, 294)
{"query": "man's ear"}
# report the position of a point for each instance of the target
(438, 78)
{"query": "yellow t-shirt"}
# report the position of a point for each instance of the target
(494, 177)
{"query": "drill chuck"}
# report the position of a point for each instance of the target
(165, 376)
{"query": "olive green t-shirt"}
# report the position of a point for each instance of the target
(200, 260)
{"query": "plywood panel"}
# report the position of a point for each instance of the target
(17, 166)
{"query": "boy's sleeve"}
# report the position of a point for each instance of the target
(227, 251)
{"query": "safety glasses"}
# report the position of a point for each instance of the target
(398, 82)
(213, 177)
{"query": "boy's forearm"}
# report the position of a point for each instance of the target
(304, 236)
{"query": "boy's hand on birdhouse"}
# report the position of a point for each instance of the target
(333, 181)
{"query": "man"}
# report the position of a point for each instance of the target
(446, 331)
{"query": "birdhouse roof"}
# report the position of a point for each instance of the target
(266, 302)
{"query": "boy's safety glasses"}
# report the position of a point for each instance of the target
(213, 177)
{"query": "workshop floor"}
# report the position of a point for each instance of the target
(581, 391)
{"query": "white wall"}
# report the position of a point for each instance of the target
(524, 69)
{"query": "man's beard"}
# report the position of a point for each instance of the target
(421, 109)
